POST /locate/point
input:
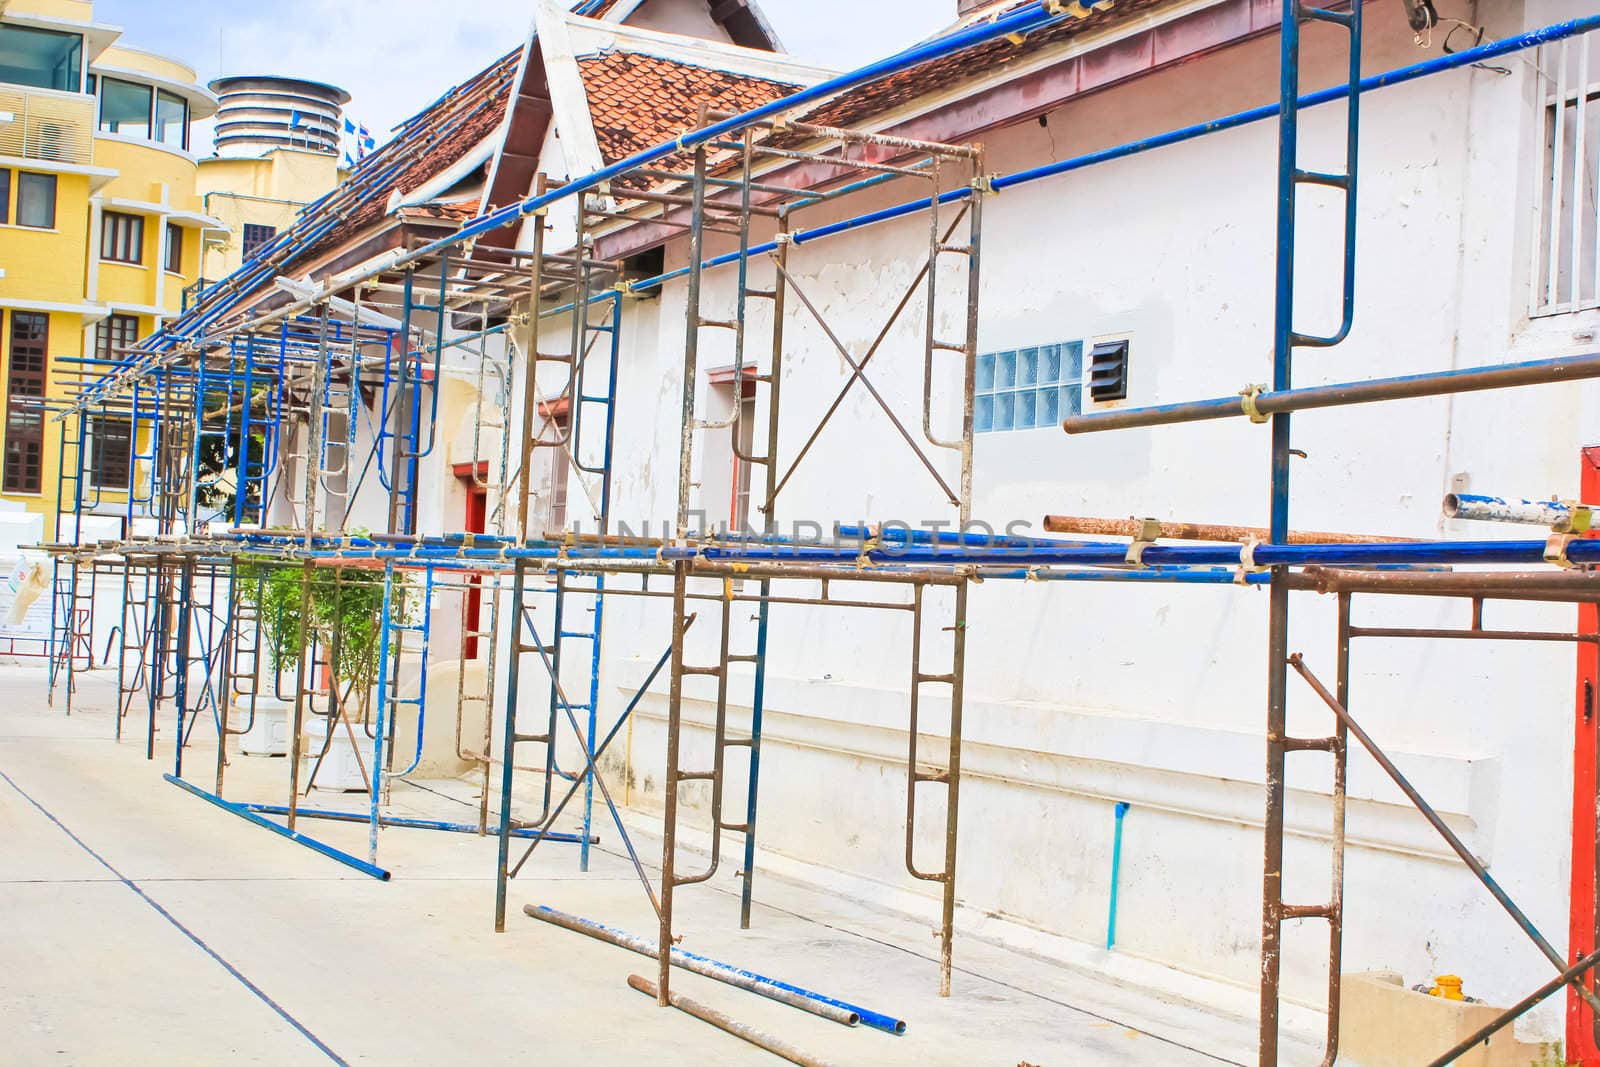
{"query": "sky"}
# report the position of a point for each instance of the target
(397, 56)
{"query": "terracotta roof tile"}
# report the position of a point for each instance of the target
(639, 101)
(429, 143)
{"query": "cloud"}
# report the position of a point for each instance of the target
(397, 56)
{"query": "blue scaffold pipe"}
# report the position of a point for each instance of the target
(1066, 554)
(405, 824)
(294, 835)
(722, 972)
(1170, 575)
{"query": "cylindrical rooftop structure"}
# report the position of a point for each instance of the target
(258, 113)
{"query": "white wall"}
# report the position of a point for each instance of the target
(1080, 696)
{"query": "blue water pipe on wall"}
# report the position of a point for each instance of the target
(1116, 875)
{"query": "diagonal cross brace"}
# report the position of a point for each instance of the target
(856, 368)
(857, 372)
(1456, 844)
(590, 757)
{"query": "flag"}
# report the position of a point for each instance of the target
(295, 120)
(349, 127)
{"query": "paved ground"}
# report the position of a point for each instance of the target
(139, 924)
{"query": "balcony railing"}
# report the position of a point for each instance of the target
(48, 125)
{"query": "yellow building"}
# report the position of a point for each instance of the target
(257, 198)
(101, 231)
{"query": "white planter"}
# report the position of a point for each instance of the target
(340, 769)
(269, 733)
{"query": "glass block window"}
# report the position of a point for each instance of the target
(1028, 388)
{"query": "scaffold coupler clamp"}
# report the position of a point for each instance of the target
(1078, 9)
(1149, 532)
(1579, 519)
(983, 185)
(869, 544)
(1555, 550)
(787, 237)
(1248, 396)
(1247, 562)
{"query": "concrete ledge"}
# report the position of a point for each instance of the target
(1384, 1024)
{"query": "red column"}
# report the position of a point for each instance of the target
(1581, 1045)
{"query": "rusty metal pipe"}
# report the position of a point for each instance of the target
(727, 1023)
(1202, 531)
(793, 996)
(1572, 586)
(1283, 401)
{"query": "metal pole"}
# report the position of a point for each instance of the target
(1281, 399)
(727, 1023)
(1278, 606)
(1456, 844)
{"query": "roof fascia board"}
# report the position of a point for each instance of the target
(446, 179)
(569, 99)
(1048, 57)
(529, 44)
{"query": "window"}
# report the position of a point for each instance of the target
(122, 237)
(1108, 371)
(556, 503)
(740, 505)
(5, 196)
(1028, 388)
(1566, 270)
(174, 257)
(41, 59)
(172, 119)
(110, 451)
(255, 236)
(114, 335)
(36, 200)
(725, 474)
(24, 454)
(125, 108)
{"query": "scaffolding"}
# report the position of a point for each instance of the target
(264, 430)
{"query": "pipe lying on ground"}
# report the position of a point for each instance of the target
(1260, 405)
(837, 1011)
(706, 1014)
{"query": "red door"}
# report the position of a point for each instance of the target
(477, 514)
(1581, 1030)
